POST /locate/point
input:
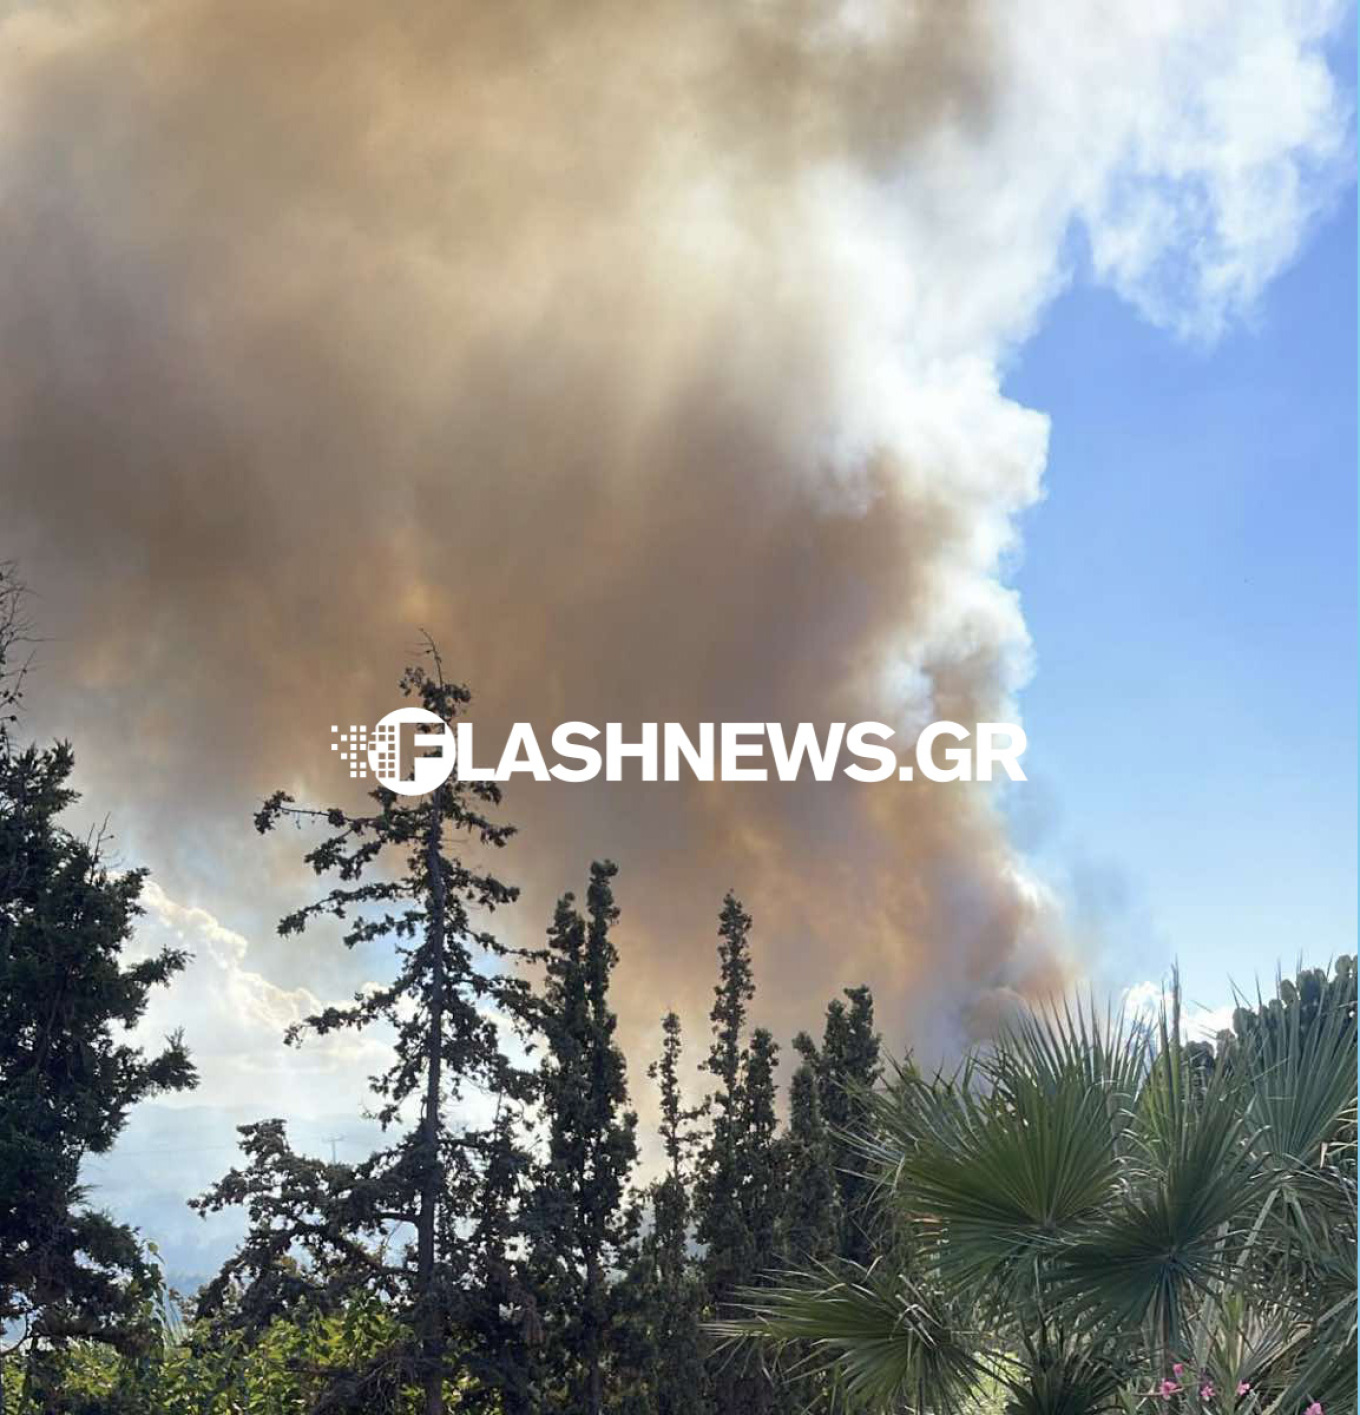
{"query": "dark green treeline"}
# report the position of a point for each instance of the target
(505, 1249)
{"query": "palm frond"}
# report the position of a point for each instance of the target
(887, 1342)
(1055, 1373)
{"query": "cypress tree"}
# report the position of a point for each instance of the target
(741, 1193)
(850, 1067)
(810, 1230)
(660, 1297)
(762, 1154)
(582, 1225)
(811, 1220)
(729, 1254)
(676, 1296)
(762, 1158)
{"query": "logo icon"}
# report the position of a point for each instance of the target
(411, 751)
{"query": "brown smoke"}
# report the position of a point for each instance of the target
(577, 334)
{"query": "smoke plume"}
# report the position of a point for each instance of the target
(650, 357)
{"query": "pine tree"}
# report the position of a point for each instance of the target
(849, 1068)
(68, 1076)
(582, 1225)
(451, 984)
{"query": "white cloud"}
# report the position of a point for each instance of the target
(233, 1018)
(234, 1021)
(1217, 181)
(1194, 144)
(1145, 1001)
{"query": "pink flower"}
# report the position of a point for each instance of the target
(1244, 1387)
(1314, 1409)
(1169, 1388)
(1206, 1391)
(1178, 1368)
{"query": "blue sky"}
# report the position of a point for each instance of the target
(1190, 586)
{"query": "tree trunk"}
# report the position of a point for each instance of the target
(431, 1322)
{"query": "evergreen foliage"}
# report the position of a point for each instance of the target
(848, 1069)
(397, 879)
(582, 1222)
(812, 1202)
(740, 1196)
(68, 1074)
